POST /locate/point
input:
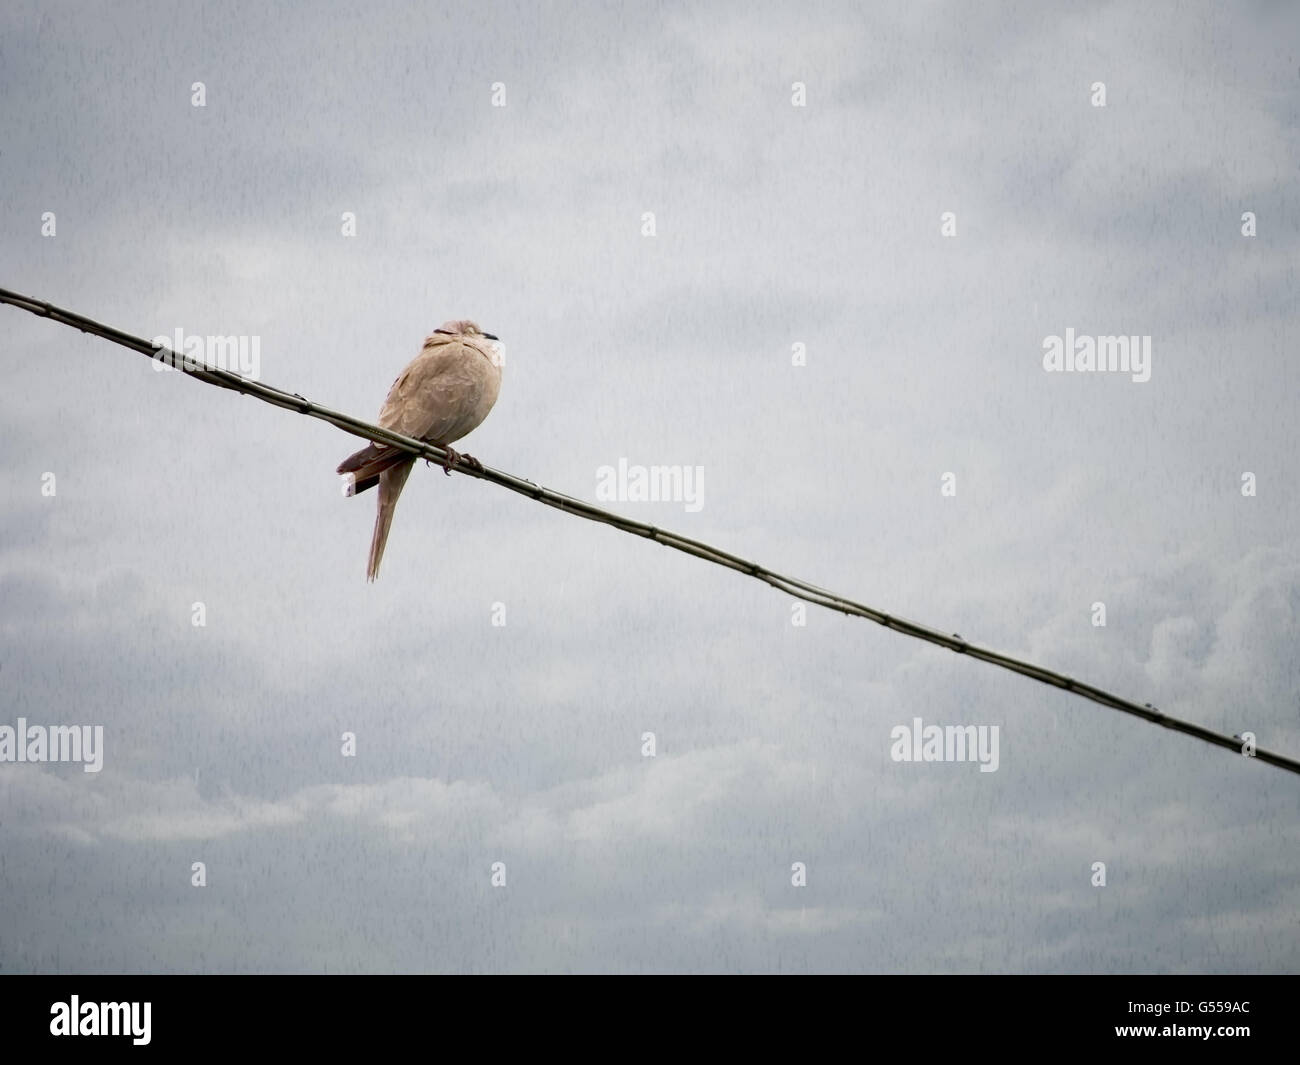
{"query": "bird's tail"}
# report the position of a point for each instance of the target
(362, 468)
(391, 481)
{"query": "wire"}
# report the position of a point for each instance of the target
(790, 585)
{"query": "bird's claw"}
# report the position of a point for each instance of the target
(455, 458)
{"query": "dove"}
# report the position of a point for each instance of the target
(442, 395)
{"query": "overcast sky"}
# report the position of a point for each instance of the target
(774, 225)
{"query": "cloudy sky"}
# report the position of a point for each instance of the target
(774, 225)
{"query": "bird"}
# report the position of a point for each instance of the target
(444, 393)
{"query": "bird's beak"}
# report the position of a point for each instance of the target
(489, 336)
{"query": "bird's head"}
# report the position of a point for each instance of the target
(463, 328)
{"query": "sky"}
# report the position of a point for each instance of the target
(814, 254)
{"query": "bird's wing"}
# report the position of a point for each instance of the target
(436, 395)
(423, 396)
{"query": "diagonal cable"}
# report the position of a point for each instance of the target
(790, 585)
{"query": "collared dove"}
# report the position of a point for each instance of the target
(444, 394)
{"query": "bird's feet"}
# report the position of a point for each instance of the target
(455, 458)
